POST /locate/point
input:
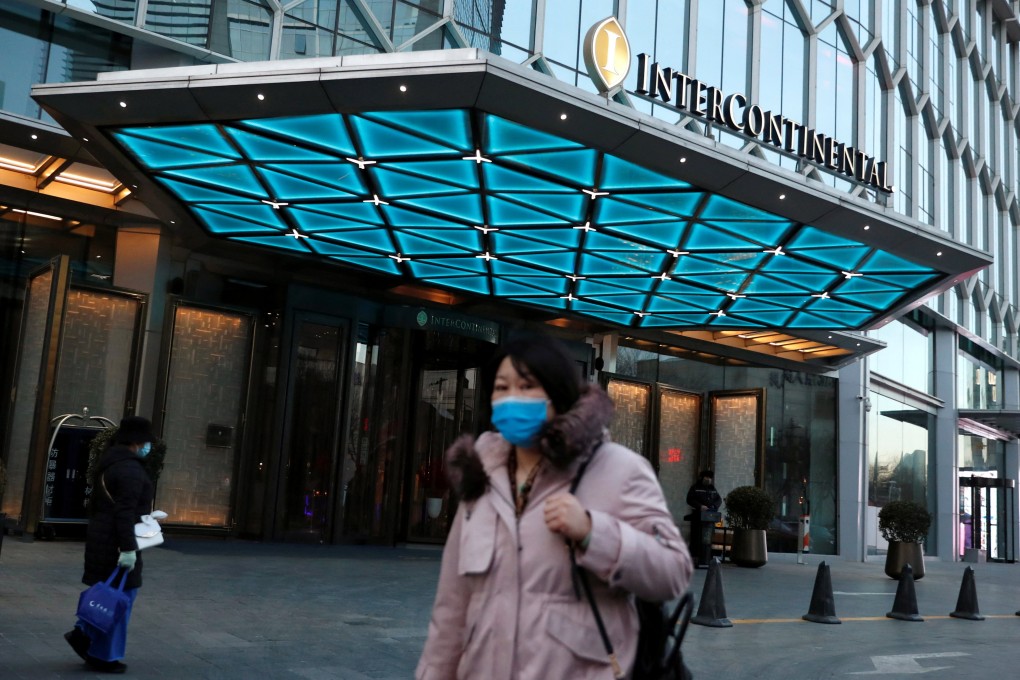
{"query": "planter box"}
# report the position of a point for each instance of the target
(975, 555)
(901, 554)
(749, 548)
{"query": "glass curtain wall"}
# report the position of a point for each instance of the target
(799, 431)
(899, 438)
(908, 357)
(40, 47)
(978, 377)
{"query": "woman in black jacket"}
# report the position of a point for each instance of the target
(121, 494)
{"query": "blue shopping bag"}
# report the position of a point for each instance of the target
(103, 605)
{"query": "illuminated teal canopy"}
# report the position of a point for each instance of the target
(470, 201)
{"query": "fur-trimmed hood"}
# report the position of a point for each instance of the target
(564, 439)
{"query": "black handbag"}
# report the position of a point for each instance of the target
(661, 628)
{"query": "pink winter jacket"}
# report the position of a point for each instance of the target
(506, 607)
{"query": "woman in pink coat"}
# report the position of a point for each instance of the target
(506, 606)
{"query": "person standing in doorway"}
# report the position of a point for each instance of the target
(122, 493)
(702, 497)
(507, 604)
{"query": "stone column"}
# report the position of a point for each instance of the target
(1011, 402)
(143, 264)
(853, 466)
(943, 484)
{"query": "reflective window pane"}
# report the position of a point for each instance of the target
(411, 18)
(118, 10)
(908, 356)
(835, 89)
(41, 47)
(561, 41)
(238, 28)
(897, 450)
(658, 28)
(978, 377)
(722, 46)
(783, 54)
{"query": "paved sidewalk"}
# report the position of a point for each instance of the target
(213, 609)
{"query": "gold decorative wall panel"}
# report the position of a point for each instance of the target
(735, 429)
(629, 425)
(679, 425)
(207, 377)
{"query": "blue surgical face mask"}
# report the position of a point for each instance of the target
(144, 451)
(519, 419)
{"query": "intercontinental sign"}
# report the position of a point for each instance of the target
(607, 59)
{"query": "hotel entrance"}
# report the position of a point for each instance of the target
(445, 404)
(312, 434)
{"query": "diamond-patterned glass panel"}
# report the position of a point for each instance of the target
(469, 201)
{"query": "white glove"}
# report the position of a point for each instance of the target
(127, 559)
(158, 514)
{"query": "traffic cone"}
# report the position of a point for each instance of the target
(905, 604)
(712, 608)
(966, 603)
(823, 605)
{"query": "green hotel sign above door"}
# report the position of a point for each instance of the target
(442, 321)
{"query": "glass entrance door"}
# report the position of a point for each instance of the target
(77, 356)
(318, 348)
(446, 406)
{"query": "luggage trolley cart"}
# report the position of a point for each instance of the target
(66, 489)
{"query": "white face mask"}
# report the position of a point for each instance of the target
(144, 451)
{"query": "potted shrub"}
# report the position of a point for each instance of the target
(749, 510)
(434, 485)
(905, 525)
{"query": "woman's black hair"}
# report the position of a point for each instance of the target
(544, 358)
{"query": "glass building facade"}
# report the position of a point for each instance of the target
(927, 85)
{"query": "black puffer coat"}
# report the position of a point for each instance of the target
(112, 525)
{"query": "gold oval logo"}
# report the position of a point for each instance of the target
(607, 54)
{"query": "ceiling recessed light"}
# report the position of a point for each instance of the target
(123, 105)
(84, 139)
(683, 159)
(173, 222)
(261, 96)
(782, 197)
(938, 254)
(563, 116)
(35, 136)
(867, 226)
(403, 88)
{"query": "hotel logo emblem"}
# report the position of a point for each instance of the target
(606, 54)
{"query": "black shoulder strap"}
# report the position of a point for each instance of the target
(581, 576)
(580, 472)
